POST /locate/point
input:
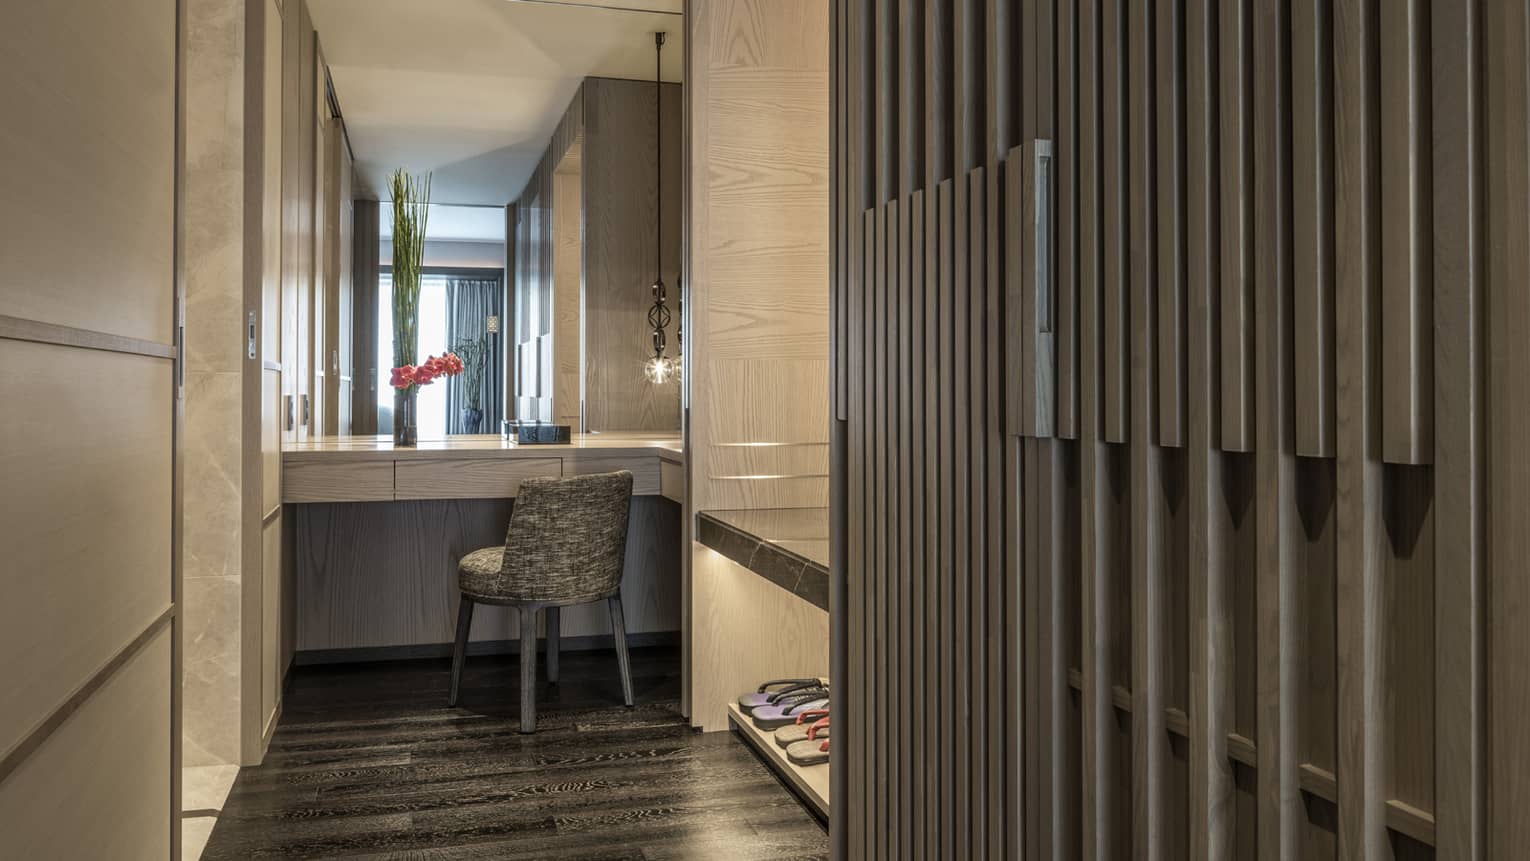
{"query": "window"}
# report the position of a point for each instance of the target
(431, 410)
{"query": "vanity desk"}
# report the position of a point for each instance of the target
(374, 534)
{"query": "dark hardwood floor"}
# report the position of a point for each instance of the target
(369, 762)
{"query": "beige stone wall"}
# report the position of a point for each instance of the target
(214, 378)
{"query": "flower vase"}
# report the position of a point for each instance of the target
(472, 420)
(404, 431)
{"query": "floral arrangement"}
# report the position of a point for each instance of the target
(409, 377)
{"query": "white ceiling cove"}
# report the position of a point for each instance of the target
(472, 89)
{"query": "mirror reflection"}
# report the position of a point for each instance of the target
(549, 137)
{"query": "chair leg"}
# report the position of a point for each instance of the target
(553, 618)
(459, 651)
(619, 632)
(528, 669)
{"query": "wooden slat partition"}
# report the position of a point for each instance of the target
(1406, 234)
(1236, 180)
(1232, 574)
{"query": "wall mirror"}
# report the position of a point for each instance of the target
(551, 134)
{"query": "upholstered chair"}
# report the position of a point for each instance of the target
(566, 545)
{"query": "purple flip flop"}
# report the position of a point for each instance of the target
(773, 690)
(785, 710)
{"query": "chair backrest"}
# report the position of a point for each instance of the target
(568, 537)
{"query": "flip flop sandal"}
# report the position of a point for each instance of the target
(785, 711)
(764, 695)
(812, 752)
(792, 694)
(813, 723)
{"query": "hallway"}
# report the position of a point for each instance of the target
(369, 762)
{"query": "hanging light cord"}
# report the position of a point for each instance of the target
(658, 315)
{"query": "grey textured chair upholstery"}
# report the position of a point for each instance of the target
(566, 545)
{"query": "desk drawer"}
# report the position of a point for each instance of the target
(472, 478)
(645, 470)
(360, 481)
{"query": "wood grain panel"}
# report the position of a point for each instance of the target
(1278, 802)
(672, 481)
(1506, 209)
(121, 739)
(94, 167)
(795, 643)
(371, 576)
(1115, 206)
(1312, 224)
(471, 479)
(647, 477)
(1068, 205)
(617, 163)
(1236, 182)
(1407, 367)
(1143, 515)
(1360, 218)
(567, 296)
(1168, 101)
(336, 482)
(1245, 685)
(95, 498)
(1459, 584)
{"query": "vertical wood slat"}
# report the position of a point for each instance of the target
(1359, 190)
(933, 513)
(918, 566)
(950, 749)
(1169, 107)
(1235, 111)
(842, 493)
(1090, 216)
(1149, 738)
(911, 84)
(962, 509)
(1407, 418)
(1506, 164)
(876, 532)
(1277, 788)
(897, 451)
(885, 100)
(938, 122)
(898, 399)
(1005, 88)
(1115, 219)
(967, 102)
(1312, 225)
(1067, 202)
(1459, 595)
(1093, 637)
(978, 453)
(860, 492)
(1211, 777)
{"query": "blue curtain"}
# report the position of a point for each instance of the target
(469, 304)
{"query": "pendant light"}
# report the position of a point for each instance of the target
(661, 368)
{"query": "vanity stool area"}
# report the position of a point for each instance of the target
(377, 534)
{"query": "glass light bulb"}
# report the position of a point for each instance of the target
(659, 369)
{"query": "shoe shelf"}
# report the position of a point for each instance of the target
(810, 782)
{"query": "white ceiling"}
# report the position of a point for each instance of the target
(472, 89)
(453, 223)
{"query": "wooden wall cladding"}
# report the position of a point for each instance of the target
(1170, 470)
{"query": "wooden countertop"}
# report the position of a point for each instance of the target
(371, 469)
(665, 445)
